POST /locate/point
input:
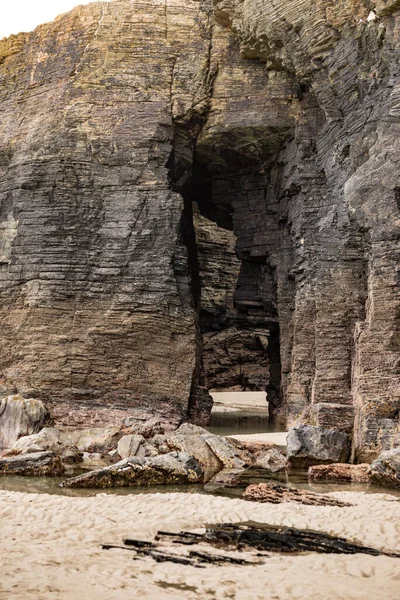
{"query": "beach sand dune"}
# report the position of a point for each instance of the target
(50, 549)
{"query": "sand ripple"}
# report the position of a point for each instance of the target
(50, 549)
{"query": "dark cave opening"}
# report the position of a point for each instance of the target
(230, 229)
(237, 308)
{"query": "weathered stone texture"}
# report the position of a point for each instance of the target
(281, 121)
(338, 183)
(94, 282)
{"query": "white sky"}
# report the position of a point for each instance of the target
(25, 15)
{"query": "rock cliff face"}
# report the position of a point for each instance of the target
(280, 122)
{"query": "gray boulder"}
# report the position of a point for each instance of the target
(135, 445)
(230, 454)
(385, 470)
(307, 446)
(165, 469)
(33, 465)
(190, 429)
(19, 417)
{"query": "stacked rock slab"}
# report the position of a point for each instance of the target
(290, 111)
(95, 307)
(338, 185)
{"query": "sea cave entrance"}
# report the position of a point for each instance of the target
(236, 287)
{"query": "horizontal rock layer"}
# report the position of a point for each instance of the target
(281, 121)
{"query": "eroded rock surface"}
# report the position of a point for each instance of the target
(275, 494)
(308, 446)
(280, 121)
(385, 470)
(340, 473)
(19, 417)
(32, 465)
(166, 469)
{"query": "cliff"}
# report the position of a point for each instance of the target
(280, 122)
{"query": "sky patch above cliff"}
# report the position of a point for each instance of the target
(25, 15)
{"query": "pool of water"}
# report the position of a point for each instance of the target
(238, 424)
(295, 478)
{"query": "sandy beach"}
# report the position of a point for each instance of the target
(51, 550)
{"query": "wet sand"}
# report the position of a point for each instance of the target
(50, 549)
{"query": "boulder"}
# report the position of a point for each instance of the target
(33, 465)
(229, 454)
(165, 469)
(19, 417)
(47, 439)
(135, 445)
(307, 446)
(276, 494)
(340, 472)
(385, 470)
(147, 426)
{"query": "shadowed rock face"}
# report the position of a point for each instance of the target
(94, 279)
(281, 121)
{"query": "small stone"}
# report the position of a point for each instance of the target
(272, 460)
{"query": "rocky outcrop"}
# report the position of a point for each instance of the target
(166, 469)
(37, 464)
(20, 417)
(335, 188)
(95, 300)
(279, 122)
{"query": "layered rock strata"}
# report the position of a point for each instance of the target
(280, 120)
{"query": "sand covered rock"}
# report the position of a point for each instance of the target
(340, 472)
(385, 470)
(165, 469)
(35, 464)
(308, 446)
